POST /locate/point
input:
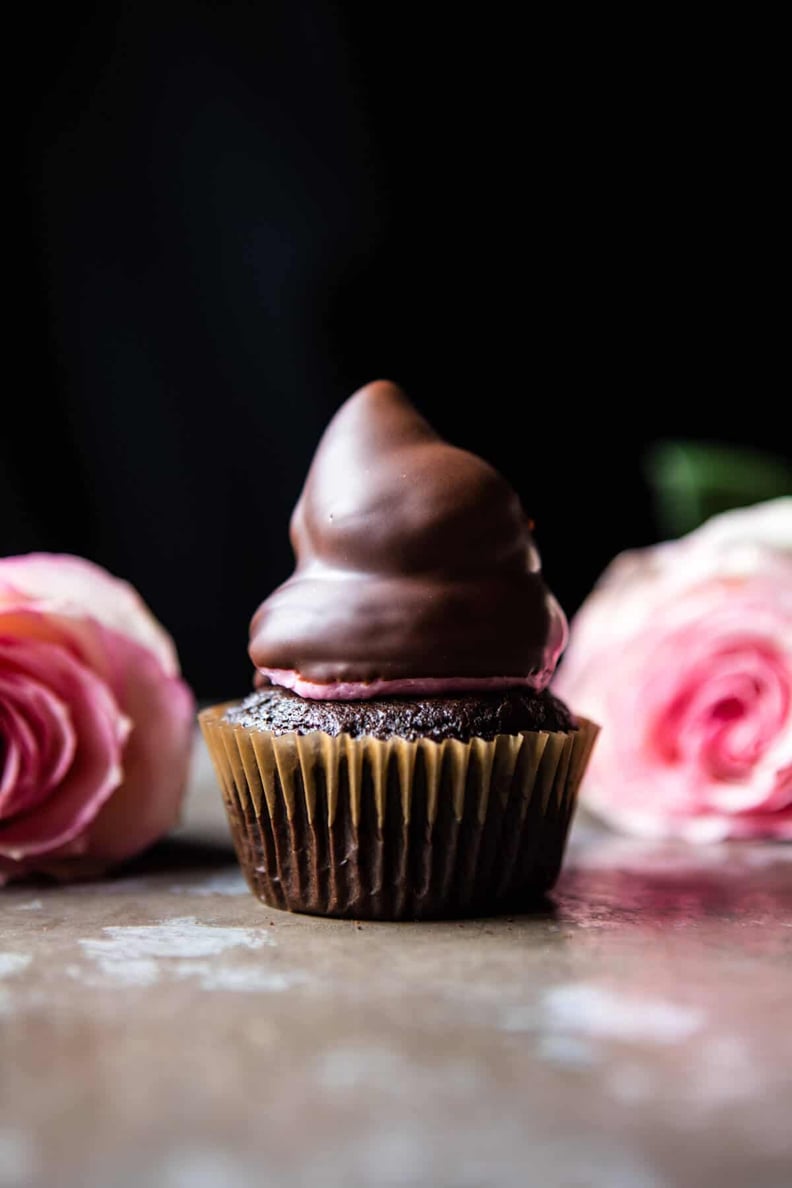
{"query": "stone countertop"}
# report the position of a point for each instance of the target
(164, 1029)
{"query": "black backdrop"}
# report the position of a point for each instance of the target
(234, 214)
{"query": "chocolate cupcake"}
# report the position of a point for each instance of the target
(402, 757)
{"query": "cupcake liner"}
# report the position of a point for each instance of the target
(390, 829)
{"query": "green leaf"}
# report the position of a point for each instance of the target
(693, 480)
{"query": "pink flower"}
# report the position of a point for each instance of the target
(683, 654)
(95, 721)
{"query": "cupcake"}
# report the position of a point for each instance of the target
(401, 757)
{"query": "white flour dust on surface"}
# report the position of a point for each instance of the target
(598, 1012)
(570, 1050)
(179, 949)
(33, 905)
(182, 936)
(13, 963)
(245, 978)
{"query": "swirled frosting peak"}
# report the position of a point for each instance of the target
(416, 570)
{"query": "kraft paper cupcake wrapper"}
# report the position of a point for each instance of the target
(391, 829)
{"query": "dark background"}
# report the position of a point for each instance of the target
(560, 240)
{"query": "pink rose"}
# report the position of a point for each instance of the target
(95, 721)
(683, 654)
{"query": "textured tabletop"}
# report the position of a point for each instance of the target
(165, 1029)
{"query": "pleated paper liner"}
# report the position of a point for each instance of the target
(390, 829)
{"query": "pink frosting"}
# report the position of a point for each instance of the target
(412, 686)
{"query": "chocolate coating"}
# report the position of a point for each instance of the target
(479, 716)
(414, 559)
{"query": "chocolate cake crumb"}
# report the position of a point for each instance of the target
(474, 715)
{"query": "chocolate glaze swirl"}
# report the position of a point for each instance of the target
(414, 560)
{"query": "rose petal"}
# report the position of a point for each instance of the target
(95, 770)
(98, 647)
(703, 828)
(40, 741)
(73, 588)
(765, 527)
(156, 759)
(11, 757)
